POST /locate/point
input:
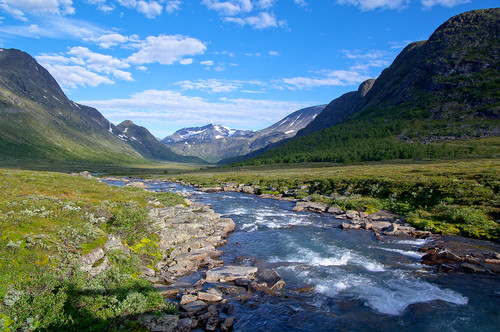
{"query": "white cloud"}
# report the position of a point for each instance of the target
(173, 6)
(300, 3)
(73, 76)
(444, 3)
(174, 107)
(332, 78)
(54, 27)
(230, 7)
(18, 8)
(207, 63)
(82, 67)
(255, 14)
(186, 61)
(108, 40)
(367, 5)
(217, 85)
(151, 9)
(274, 53)
(166, 50)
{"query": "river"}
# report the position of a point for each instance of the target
(359, 283)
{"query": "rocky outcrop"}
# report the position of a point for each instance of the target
(449, 254)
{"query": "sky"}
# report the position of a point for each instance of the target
(244, 64)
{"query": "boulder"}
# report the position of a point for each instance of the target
(227, 326)
(380, 225)
(188, 298)
(271, 278)
(334, 210)
(164, 323)
(310, 206)
(209, 297)
(230, 273)
(194, 307)
(184, 325)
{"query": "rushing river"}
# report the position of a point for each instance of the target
(360, 284)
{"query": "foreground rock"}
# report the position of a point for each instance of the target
(457, 254)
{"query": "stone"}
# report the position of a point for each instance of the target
(194, 307)
(242, 282)
(380, 225)
(310, 206)
(164, 323)
(230, 273)
(188, 298)
(363, 215)
(212, 324)
(472, 268)
(346, 225)
(182, 268)
(334, 210)
(184, 325)
(137, 184)
(256, 288)
(271, 278)
(351, 214)
(204, 296)
(227, 326)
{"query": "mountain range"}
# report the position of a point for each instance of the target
(216, 142)
(443, 90)
(436, 92)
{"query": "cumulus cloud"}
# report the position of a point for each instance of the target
(300, 3)
(262, 20)
(367, 5)
(82, 67)
(18, 8)
(181, 110)
(173, 6)
(443, 3)
(256, 14)
(165, 49)
(150, 9)
(207, 63)
(108, 40)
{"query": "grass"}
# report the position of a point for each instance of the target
(447, 196)
(47, 222)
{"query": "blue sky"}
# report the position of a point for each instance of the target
(245, 64)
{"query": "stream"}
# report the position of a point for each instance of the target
(342, 280)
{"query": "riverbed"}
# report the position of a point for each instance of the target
(342, 280)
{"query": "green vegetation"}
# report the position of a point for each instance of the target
(454, 196)
(48, 222)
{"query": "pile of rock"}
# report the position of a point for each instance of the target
(456, 254)
(204, 303)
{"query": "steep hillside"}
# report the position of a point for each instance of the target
(213, 143)
(146, 144)
(436, 98)
(38, 121)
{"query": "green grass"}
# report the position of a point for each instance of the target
(447, 196)
(47, 221)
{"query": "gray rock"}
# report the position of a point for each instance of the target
(184, 324)
(351, 214)
(380, 225)
(334, 210)
(228, 324)
(194, 307)
(230, 273)
(310, 206)
(209, 297)
(164, 323)
(188, 298)
(271, 278)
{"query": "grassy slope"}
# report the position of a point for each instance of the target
(47, 221)
(449, 196)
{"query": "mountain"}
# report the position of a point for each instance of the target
(445, 89)
(38, 121)
(206, 133)
(213, 143)
(147, 145)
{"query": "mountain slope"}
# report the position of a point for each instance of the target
(147, 145)
(213, 143)
(38, 121)
(435, 91)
